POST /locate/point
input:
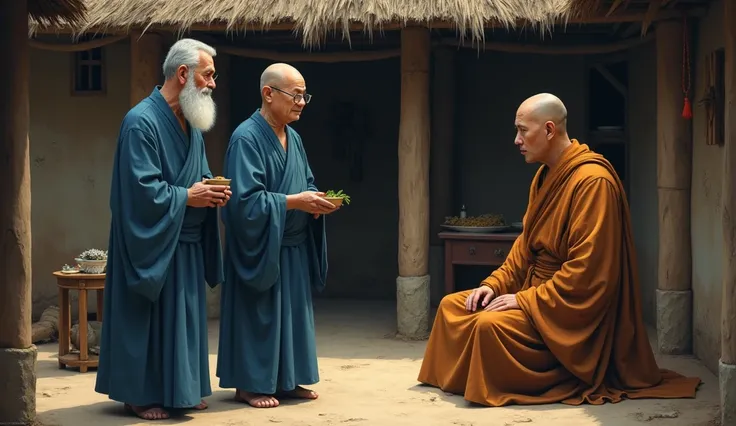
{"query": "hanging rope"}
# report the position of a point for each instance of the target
(687, 109)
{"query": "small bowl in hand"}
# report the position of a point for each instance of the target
(217, 181)
(336, 201)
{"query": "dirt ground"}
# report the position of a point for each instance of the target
(368, 378)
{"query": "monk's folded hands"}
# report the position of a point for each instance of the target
(503, 303)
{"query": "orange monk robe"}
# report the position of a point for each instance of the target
(578, 335)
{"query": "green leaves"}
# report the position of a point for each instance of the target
(339, 194)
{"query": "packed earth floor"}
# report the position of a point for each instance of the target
(368, 378)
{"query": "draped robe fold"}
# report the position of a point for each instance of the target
(274, 258)
(161, 253)
(578, 335)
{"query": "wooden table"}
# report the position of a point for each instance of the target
(474, 249)
(82, 283)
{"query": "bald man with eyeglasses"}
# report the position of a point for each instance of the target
(276, 251)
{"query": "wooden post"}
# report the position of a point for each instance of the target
(412, 285)
(17, 352)
(146, 61)
(727, 365)
(441, 159)
(216, 141)
(674, 164)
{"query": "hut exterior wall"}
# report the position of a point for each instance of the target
(706, 196)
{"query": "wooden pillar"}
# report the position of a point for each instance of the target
(412, 285)
(216, 141)
(146, 61)
(674, 165)
(17, 352)
(441, 159)
(727, 365)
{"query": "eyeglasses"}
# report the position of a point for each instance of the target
(296, 97)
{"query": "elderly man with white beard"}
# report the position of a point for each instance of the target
(164, 244)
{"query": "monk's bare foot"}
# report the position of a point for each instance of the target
(201, 406)
(147, 413)
(301, 393)
(256, 400)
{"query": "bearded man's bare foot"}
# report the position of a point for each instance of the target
(201, 406)
(300, 393)
(147, 413)
(256, 400)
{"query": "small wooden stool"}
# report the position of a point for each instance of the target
(82, 283)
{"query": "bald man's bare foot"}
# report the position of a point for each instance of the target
(256, 400)
(201, 406)
(147, 413)
(300, 393)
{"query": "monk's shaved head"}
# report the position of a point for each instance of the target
(545, 107)
(279, 74)
(541, 128)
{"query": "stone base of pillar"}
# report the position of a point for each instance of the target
(18, 386)
(412, 307)
(213, 302)
(674, 321)
(727, 379)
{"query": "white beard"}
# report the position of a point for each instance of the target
(197, 105)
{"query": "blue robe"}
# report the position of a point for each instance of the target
(274, 258)
(161, 253)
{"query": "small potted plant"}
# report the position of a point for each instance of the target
(92, 261)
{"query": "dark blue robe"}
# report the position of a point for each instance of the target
(161, 253)
(274, 258)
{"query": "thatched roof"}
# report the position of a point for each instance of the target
(313, 19)
(55, 12)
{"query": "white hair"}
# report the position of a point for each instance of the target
(185, 52)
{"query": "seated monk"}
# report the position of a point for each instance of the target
(560, 320)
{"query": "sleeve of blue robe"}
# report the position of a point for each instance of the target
(149, 211)
(213, 269)
(260, 216)
(319, 237)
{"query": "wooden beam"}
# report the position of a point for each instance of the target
(76, 47)
(674, 165)
(612, 80)
(579, 49)
(322, 57)
(368, 55)
(414, 133)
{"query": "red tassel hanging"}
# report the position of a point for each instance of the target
(687, 110)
